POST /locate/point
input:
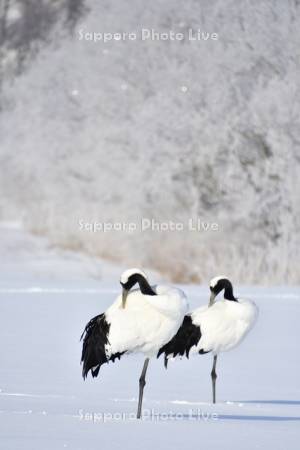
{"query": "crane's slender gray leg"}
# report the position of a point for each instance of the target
(214, 378)
(142, 383)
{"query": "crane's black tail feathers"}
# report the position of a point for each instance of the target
(95, 338)
(186, 337)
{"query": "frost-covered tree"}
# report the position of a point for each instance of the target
(168, 130)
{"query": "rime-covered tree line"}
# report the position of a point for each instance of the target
(169, 131)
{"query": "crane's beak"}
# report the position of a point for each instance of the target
(212, 298)
(124, 297)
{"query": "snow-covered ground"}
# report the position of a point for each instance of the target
(46, 298)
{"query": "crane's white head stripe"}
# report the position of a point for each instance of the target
(214, 281)
(128, 273)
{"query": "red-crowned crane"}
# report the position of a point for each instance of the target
(139, 321)
(218, 327)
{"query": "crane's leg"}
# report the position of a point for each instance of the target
(142, 383)
(214, 378)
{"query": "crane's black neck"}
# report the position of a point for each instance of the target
(145, 287)
(228, 293)
(224, 283)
